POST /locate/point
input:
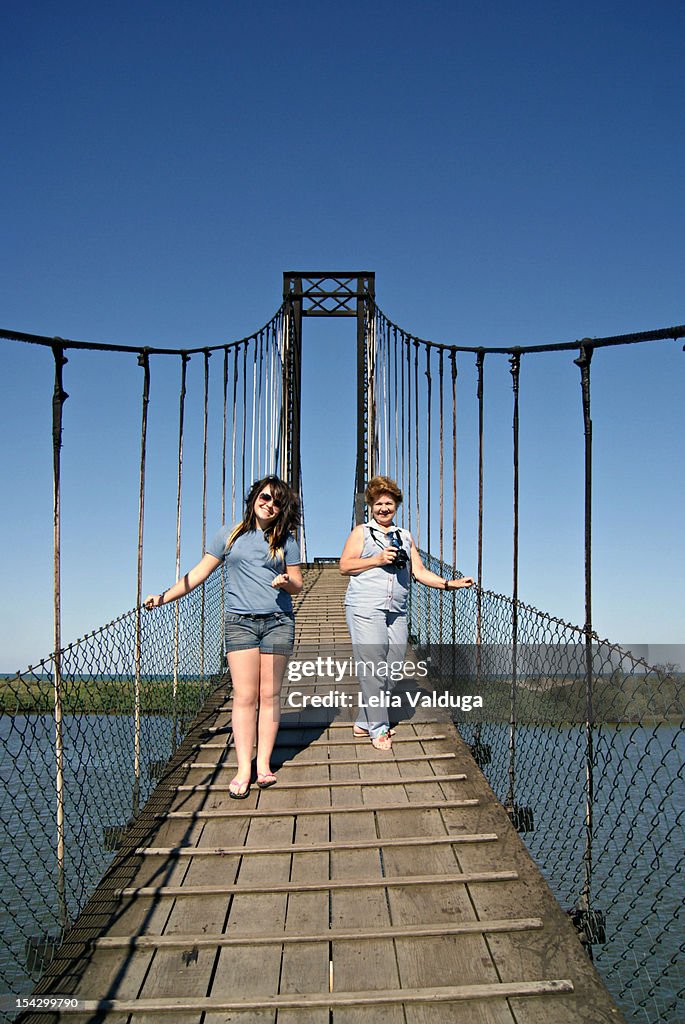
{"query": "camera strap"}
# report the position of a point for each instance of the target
(395, 541)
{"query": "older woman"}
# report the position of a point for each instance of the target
(262, 559)
(379, 557)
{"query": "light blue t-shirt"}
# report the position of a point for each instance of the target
(251, 571)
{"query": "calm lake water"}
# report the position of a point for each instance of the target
(637, 845)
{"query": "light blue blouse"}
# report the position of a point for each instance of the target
(382, 587)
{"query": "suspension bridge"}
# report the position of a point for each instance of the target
(515, 862)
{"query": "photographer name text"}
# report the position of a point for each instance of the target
(335, 699)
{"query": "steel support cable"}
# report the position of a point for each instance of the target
(403, 443)
(453, 377)
(260, 400)
(233, 433)
(388, 401)
(409, 432)
(416, 424)
(381, 403)
(205, 429)
(94, 346)
(515, 361)
(283, 384)
(59, 397)
(185, 359)
(583, 362)
(378, 404)
(371, 425)
(396, 465)
(278, 393)
(480, 359)
(144, 362)
(224, 437)
(254, 413)
(441, 378)
(658, 334)
(429, 429)
(272, 401)
(244, 431)
(268, 401)
(278, 421)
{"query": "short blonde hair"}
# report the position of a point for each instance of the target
(378, 485)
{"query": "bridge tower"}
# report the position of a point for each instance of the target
(332, 293)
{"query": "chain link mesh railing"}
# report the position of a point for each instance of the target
(589, 767)
(104, 755)
(85, 734)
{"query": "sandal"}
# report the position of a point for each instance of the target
(264, 781)
(364, 733)
(382, 741)
(240, 793)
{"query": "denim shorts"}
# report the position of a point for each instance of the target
(272, 634)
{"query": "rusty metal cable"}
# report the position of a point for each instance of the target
(515, 368)
(59, 397)
(583, 362)
(429, 434)
(144, 362)
(417, 470)
(658, 334)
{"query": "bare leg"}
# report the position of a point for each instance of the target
(272, 670)
(244, 667)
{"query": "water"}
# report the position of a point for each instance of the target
(637, 850)
(98, 792)
(637, 847)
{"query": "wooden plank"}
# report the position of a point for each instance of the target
(237, 969)
(328, 935)
(144, 892)
(385, 997)
(351, 741)
(226, 812)
(215, 787)
(221, 851)
(373, 760)
(367, 962)
(443, 958)
(189, 969)
(305, 966)
(298, 763)
(556, 946)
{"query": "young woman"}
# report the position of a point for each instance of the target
(379, 557)
(263, 563)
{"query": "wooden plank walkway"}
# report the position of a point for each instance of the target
(365, 886)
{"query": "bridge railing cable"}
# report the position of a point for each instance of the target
(579, 739)
(617, 871)
(86, 732)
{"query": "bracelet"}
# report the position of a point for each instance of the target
(444, 585)
(161, 598)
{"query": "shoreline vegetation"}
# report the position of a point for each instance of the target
(616, 699)
(103, 696)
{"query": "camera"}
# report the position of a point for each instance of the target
(401, 558)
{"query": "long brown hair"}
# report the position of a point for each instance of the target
(287, 519)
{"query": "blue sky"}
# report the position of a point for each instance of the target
(513, 174)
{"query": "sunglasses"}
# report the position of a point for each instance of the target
(268, 497)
